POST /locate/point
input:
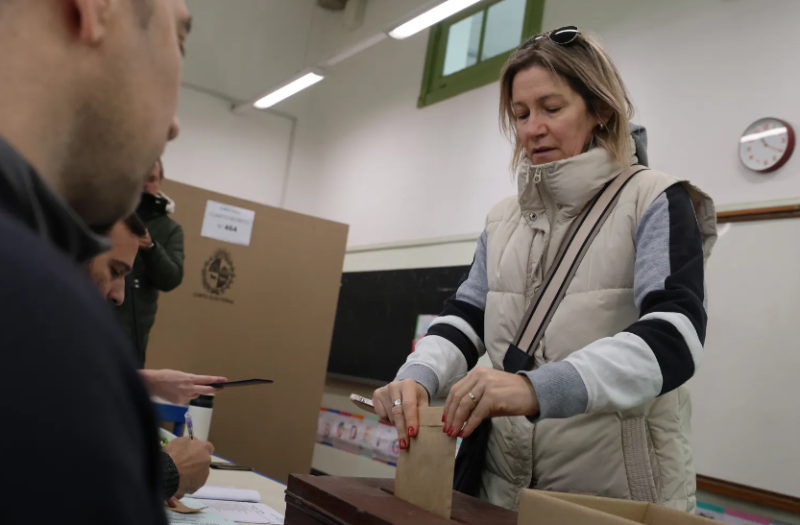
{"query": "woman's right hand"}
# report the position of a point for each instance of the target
(405, 416)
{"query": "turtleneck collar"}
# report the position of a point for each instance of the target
(24, 195)
(570, 183)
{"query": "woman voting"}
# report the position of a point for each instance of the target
(601, 407)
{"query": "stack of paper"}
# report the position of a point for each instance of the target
(242, 512)
(227, 494)
(204, 517)
(224, 506)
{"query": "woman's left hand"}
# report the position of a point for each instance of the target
(495, 393)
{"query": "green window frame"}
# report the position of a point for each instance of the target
(437, 87)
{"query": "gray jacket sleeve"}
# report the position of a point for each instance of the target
(662, 350)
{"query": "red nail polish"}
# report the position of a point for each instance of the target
(450, 432)
(444, 418)
(461, 434)
(403, 444)
(411, 432)
(444, 429)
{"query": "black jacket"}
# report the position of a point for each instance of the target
(75, 413)
(159, 269)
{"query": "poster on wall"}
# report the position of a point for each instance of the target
(228, 223)
(731, 516)
(365, 436)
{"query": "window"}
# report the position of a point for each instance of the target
(468, 50)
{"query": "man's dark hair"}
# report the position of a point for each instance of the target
(135, 225)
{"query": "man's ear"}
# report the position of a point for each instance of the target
(93, 18)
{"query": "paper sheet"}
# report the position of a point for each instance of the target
(227, 494)
(245, 512)
(228, 223)
(205, 517)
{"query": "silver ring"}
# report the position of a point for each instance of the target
(472, 397)
(397, 402)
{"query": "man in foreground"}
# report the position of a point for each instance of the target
(87, 93)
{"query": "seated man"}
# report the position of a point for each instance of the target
(184, 462)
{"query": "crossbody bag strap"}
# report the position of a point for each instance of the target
(577, 241)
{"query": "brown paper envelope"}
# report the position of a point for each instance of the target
(425, 469)
(183, 509)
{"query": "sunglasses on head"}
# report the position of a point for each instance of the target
(562, 36)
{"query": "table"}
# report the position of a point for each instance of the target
(272, 492)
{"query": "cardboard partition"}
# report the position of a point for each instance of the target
(549, 508)
(260, 311)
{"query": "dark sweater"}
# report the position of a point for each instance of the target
(76, 416)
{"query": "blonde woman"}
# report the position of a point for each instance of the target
(605, 410)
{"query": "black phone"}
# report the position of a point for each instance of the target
(244, 382)
(229, 466)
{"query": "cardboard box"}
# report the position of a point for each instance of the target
(550, 508)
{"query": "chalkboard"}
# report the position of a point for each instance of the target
(377, 315)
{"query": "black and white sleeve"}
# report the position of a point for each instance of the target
(454, 341)
(662, 350)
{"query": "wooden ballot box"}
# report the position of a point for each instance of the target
(312, 500)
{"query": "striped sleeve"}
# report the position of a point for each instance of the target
(454, 342)
(662, 350)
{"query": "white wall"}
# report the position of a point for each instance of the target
(243, 156)
(394, 172)
(331, 38)
(697, 93)
(700, 71)
(244, 47)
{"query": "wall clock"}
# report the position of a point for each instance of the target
(766, 144)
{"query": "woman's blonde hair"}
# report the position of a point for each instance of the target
(589, 71)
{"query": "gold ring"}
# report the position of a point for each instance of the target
(472, 397)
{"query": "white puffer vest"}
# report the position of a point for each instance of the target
(642, 454)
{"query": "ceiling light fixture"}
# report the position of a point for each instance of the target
(295, 86)
(430, 17)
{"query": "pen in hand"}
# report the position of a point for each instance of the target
(189, 425)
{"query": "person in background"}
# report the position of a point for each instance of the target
(185, 463)
(158, 267)
(88, 94)
(109, 270)
(605, 410)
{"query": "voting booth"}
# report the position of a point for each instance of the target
(258, 300)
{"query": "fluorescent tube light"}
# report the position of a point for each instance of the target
(430, 17)
(764, 134)
(292, 88)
